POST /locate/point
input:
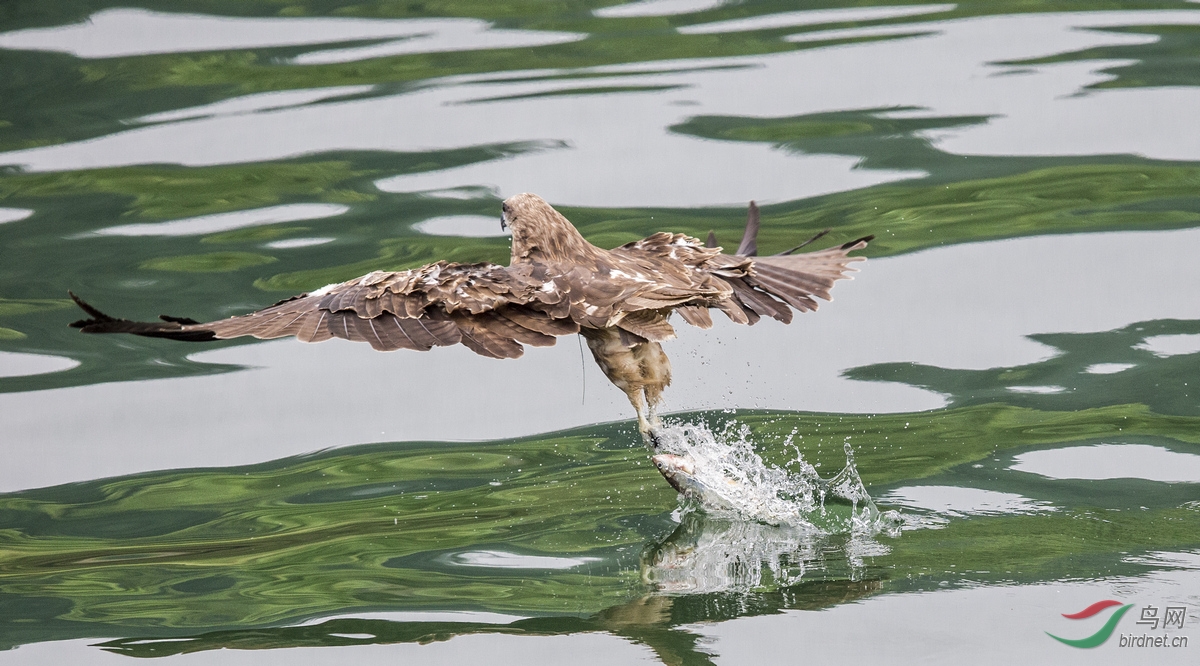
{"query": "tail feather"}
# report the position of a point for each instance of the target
(174, 328)
(761, 301)
(749, 245)
(795, 296)
(795, 279)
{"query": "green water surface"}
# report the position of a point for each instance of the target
(256, 557)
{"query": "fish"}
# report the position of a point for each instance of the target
(680, 472)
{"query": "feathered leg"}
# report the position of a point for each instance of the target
(641, 371)
(639, 406)
(656, 376)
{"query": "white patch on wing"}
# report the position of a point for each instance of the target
(369, 277)
(323, 290)
(432, 276)
(622, 274)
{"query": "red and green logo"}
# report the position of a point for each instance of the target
(1100, 636)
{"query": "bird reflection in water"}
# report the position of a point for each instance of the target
(721, 553)
(709, 569)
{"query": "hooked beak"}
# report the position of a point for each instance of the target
(503, 221)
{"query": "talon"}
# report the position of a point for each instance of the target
(649, 434)
(651, 439)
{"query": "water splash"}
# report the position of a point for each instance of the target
(723, 474)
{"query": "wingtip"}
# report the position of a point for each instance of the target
(858, 243)
(97, 316)
(183, 321)
(819, 235)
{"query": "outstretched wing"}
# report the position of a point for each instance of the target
(491, 309)
(494, 310)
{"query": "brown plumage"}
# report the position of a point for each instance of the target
(557, 283)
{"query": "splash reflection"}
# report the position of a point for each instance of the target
(720, 554)
(691, 558)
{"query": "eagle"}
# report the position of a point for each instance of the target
(557, 283)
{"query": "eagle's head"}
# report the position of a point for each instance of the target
(539, 231)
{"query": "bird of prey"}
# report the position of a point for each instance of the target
(556, 283)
